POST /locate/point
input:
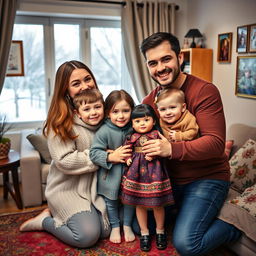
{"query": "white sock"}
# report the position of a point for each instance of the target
(160, 231)
(145, 233)
(36, 223)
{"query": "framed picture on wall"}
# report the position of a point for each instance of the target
(246, 76)
(252, 38)
(15, 66)
(224, 48)
(242, 38)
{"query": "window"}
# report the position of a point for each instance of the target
(24, 96)
(106, 57)
(47, 43)
(66, 43)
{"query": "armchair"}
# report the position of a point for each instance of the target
(33, 172)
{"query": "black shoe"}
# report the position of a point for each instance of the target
(145, 243)
(161, 241)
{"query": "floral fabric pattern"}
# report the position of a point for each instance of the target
(145, 183)
(240, 207)
(243, 167)
(241, 212)
(247, 200)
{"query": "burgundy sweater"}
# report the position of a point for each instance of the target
(204, 157)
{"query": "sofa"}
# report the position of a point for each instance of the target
(34, 170)
(34, 166)
(239, 208)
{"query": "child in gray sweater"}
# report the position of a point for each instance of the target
(110, 136)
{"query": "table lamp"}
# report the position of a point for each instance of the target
(192, 33)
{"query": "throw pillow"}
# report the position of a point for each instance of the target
(228, 147)
(241, 212)
(39, 142)
(243, 166)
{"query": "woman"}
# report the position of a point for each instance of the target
(79, 215)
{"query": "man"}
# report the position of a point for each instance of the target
(247, 84)
(198, 169)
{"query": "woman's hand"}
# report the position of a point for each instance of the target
(118, 155)
(159, 147)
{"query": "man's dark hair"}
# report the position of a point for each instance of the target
(156, 39)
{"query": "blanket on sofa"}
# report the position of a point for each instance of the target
(240, 208)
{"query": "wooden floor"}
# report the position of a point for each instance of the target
(9, 206)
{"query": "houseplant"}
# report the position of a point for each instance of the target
(5, 143)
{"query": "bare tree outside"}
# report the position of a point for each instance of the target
(24, 97)
(106, 57)
(30, 87)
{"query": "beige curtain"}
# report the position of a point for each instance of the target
(7, 17)
(138, 22)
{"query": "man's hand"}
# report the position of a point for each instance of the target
(119, 154)
(159, 147)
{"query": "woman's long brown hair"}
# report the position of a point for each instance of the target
(60, 114)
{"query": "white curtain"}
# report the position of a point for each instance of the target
(7, 16)
(140, 19)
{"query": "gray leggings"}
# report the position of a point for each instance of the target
(81, 230)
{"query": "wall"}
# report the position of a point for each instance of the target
(213, 18)
(181, 19)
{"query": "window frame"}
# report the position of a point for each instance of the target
(49, 51)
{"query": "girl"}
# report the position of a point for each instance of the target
(118, 107)
(177, 123)
(79, 216)
(145, 182)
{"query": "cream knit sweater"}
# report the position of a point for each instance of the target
(72, 180)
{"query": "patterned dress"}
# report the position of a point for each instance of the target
(145, 183)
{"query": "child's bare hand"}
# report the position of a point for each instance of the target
(129, 161)
(119, 154)
(149, 158)
(172, 135)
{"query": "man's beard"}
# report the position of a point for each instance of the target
(175, 76)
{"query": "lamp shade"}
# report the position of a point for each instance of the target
(192, 33)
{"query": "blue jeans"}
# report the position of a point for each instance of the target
(197, 230)
(82, 230)
(113, 209)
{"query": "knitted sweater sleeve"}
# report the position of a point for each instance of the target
(207, 107)
(67, 158)
(98, 151)
(189, 130)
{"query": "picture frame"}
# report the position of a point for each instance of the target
(246, 76)
(15, 66)
(252, 38)
(224, 47)
(242, 39)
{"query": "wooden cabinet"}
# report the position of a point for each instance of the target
(198, 62)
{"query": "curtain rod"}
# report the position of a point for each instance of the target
(113, 2)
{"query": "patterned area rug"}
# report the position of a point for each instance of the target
(13, 242)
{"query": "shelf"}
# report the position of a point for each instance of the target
(198, 61)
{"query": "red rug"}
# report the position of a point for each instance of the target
(13, 242)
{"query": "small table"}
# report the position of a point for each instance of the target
(11, 164)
